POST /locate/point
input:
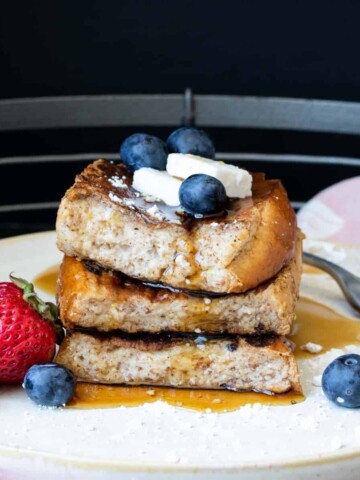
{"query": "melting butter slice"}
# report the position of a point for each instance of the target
(237, 182)
(158, 184)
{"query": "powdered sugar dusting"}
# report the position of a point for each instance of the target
(115, 198)
(311, 347)
(122, 201)
(117, 182)
(157, 433)
(154, 211)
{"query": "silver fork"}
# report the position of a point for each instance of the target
(349, 283)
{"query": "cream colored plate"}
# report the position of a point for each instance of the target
(160, 441)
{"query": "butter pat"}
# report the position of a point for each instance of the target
(237, 182)
(158, 184)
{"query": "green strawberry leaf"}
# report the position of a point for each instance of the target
(48, 311)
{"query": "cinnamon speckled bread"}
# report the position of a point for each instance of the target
(90, 297)
(236, 363)
(102, 218)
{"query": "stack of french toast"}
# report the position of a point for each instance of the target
(157, 294)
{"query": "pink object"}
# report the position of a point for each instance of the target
(334, 214)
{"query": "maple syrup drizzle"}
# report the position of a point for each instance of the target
(46, 281)
(319, 324)
(104, 396)
(309, 269)
(315, 323)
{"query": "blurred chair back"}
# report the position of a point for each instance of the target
(46, 141)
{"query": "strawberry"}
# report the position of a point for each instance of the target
(28, 329)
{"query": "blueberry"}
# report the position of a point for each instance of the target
(341, 381)
(141, 150)
(49, 384)
(191, 140)
(202, 194)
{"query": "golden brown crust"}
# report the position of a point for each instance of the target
(234, 363)
(232, 253)
(107, 301)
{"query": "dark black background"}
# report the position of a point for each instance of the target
(306, 49)
(282, 48)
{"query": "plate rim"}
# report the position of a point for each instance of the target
(156, 467)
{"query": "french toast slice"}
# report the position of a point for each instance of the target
(90, 297)
(237, 363)
(102, 218)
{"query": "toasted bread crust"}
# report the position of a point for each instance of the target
(235, 363)
(233, 253)
(106, 301)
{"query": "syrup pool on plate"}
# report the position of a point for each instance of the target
(103, 396)
(314, 323)
(46, 280)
